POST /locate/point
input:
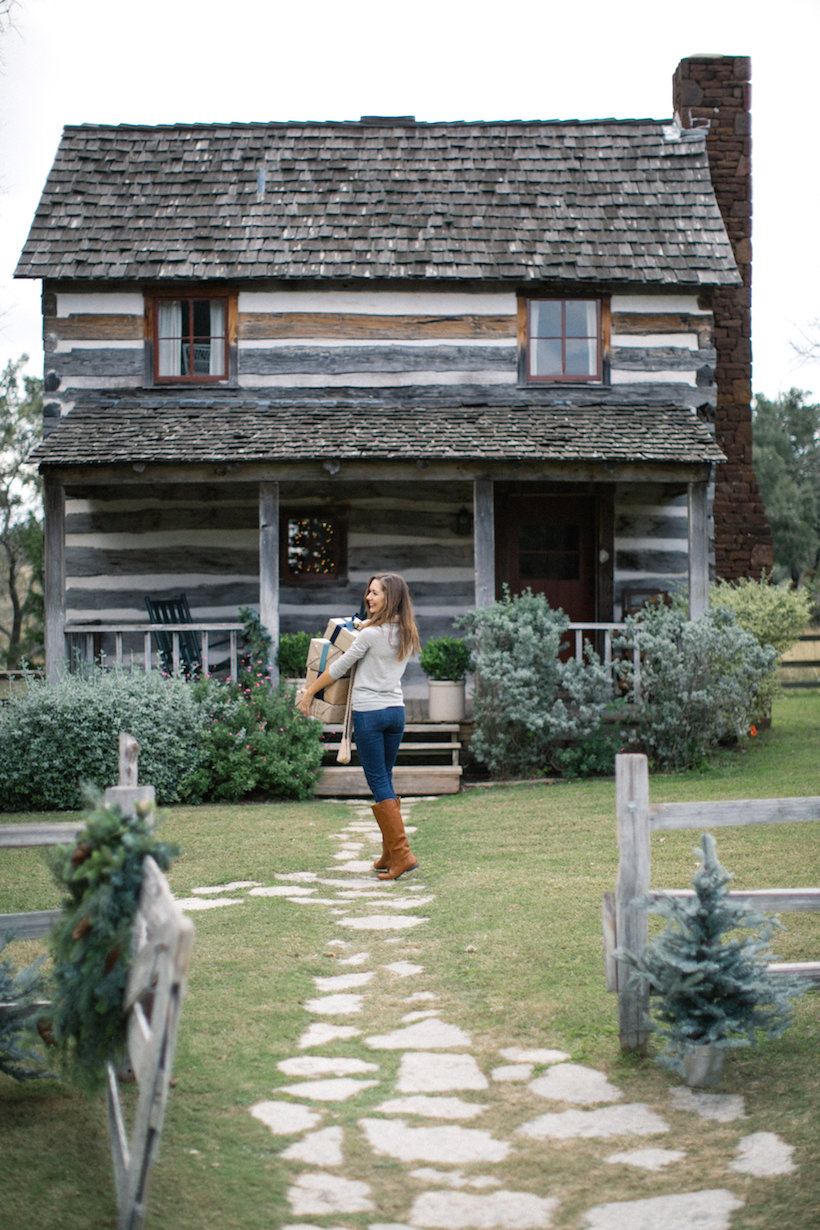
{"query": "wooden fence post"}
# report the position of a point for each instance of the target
(631, 924)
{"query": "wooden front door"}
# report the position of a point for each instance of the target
(547, 543)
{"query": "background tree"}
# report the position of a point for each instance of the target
(21, 535)
(787, 465)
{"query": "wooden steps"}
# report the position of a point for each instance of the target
(427, 763)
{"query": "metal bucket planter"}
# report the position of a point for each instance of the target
(703, 1066)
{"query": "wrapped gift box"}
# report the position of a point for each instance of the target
(329, 704)
(340, 633)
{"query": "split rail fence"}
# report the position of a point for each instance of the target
(626, 925)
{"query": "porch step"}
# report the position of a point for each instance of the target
(435, 743)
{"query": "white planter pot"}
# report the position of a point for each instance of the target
(446, 700)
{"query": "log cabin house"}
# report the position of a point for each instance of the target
(281, 356)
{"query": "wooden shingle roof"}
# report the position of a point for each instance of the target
(613, 201)
(167, 430)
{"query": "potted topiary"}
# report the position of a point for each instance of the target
(709, 987)
(291, 657)
(444, 660)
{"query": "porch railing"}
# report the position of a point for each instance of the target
(595, 633)
(87, 643)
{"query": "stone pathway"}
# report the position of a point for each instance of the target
(455, 1172)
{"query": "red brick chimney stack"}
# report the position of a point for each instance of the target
(717, 90)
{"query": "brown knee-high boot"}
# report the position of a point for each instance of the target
(382, 863)
(388, 818)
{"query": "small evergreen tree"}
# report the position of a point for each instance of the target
(708, 984)
(19, 995)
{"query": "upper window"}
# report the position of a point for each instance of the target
(313, 548)
(563, 339)
(190, 339)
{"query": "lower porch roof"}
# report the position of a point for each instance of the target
(143, 429)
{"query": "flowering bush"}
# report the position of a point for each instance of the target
(254, 741)
(527, 699)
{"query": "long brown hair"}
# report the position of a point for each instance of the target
(398, 608)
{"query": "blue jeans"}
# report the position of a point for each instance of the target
(378, 734)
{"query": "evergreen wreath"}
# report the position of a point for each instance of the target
(708, 984)
(92, 940)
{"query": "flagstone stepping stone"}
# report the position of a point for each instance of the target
(429, 996)
(572, 1082)
(453, 1178)
(393, 1138)
(336, 1089)
(295, 875)
(342, 982)
(646, 1159)
(382, 922)
(635, 1119)
(321, 1065)
(369, 882)
(502, 1210)
(423, 1015)
(285, 1118)
(433, 1108)
(517, 1054)
(355, 866)
(763, 1154)
(404, 969)
(335, 1005)
(358, 958)
(399, 903)
(318, 1034)
(432, 1034)
(321, 1194)
(188, 904)
(708, 1210)
(422, 1072)
(227, 888)
(323, 1148)
(283, 890)
(513, 1072)
(722, 1107)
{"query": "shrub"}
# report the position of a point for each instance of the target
(57, 736)
(700, 682)
(292, 654)
(22, 989)
(775, 615)
(527, 699)
(101, 875)
(445, 658)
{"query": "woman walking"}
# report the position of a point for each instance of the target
(386, 640)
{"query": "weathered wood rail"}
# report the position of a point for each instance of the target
(626, 925)
(83, 642)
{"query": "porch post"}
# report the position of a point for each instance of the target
(54, 576)
(269, 568)
(698, 550)
(484, 541)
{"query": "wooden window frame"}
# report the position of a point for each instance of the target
(339, 518)
(205, 293)
(601, 375)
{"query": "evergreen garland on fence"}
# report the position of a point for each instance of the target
(92, 941)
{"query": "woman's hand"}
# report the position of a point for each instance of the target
(303, 703)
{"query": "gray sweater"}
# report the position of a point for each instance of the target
(377, 682)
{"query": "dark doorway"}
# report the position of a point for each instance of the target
(547, 543)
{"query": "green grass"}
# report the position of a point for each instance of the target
(512, 948)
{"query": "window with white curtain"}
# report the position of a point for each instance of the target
(190, 339)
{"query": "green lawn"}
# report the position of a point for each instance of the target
(512, 948)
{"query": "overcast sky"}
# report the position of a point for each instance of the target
(168, 61)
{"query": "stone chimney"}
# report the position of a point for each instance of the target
(715, 92)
